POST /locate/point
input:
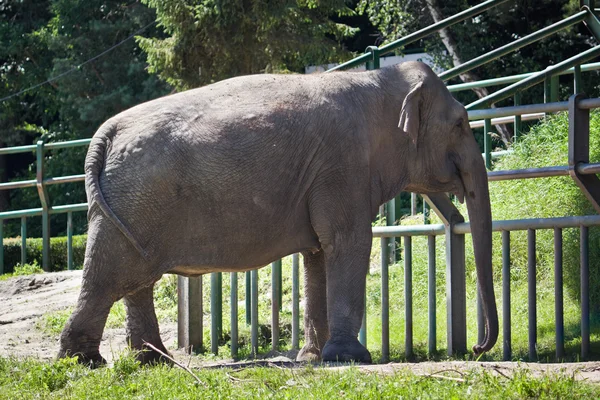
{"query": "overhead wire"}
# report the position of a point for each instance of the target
(77, 67)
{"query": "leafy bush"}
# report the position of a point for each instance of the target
(58, 252)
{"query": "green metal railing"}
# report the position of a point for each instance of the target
(41, 183)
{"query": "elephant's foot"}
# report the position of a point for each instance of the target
(346, 349)
(309, 353)
(92, 359)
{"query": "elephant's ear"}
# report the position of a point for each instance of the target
(409, 114)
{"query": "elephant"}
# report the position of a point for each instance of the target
(270, 165)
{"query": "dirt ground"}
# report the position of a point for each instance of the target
(26, 299)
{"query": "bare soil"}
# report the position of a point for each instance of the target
(24, 300)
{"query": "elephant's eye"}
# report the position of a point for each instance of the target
(459, 123)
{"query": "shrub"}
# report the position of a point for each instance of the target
(58, 252)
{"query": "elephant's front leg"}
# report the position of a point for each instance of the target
(316, 330)
(347, 264)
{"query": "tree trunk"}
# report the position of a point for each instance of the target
(450, 44)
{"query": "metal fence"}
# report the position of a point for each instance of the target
(454, 228)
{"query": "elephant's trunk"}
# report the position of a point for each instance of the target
(474, 177)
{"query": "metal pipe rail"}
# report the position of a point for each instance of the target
(515, 78)
(397, 44)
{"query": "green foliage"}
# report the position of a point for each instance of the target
(25, 269)
(547, 145)
(210, 40)
(58, 252)
(47, 39)
(53, 323)
(64, 379)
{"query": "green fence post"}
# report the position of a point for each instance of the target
(23, 240)
(275, 302)
(248, 299)
(254, 322)
(487, 143)
(554, 88)
(518, 125)
(234, 314)
(547, 89)
(295, 302)
(70, 240)
(45, 201)
(577, 80)
(216, 310)
(1, 246)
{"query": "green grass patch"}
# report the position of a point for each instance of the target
(64, 379)
(21, 270)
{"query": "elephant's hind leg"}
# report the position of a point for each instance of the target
(82, 333)
(142, 326)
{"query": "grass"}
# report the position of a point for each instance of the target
(64, 379)
(21, 270)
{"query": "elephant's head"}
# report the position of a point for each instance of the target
(445, 157)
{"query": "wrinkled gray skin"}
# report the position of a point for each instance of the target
(235, 175)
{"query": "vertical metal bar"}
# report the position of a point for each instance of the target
(487, 143)
(531, 294)
(254, 316)
(248, 299)
(579, 150)
(278, 277)
(295, 302)
(390, 219)
(69, 240)
(275, 289)
(506, 316)
(182, 317)
(518, 124)
(585, 292)
(554, 83)
(362, 334)
(189, 313)
(577, 88)
(234, 314)
(413, 204)
(23, 240)
(456, 301)
(385, 301)
(480, 320)
(216, 311)
(547, 89)
(195, 313)
(558, 294)
(431, 294)
(45, 202)
(408, 297)
(1, 246)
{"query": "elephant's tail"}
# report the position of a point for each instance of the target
(94, 163)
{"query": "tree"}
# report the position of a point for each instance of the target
(474, 37)
(47, 40)
(210, 40)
